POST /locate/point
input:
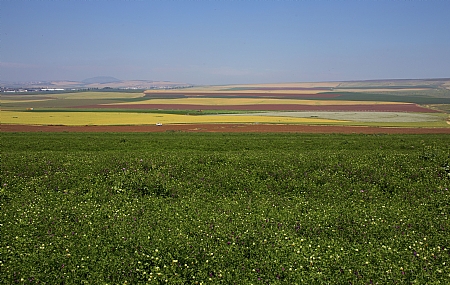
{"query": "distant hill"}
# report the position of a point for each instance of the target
(100, 79)
(108, 82)
(99, 82)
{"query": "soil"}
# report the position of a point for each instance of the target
(288, 88)
(243, 94)
(249, 128)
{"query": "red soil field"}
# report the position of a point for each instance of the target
(231, 95)
(274, 107)
(228, 128)
(290, 88)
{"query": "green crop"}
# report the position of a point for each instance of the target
(179, 208)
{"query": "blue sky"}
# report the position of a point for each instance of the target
(224, 42)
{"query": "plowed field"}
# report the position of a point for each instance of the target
(248, 93)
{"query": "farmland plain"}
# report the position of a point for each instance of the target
(172, 207)
(224, 208)
(381, 101)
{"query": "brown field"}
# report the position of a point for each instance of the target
(227, 128)
(207, 101)
(292, 84)
(249, 93)
(274, 107)
(291, 88)
(236, 93)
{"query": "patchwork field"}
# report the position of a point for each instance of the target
(273, 107)
(112, 118)
(418, 103)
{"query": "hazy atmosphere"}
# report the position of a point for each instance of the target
(224, 42)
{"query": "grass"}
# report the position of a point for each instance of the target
(224, 208)
(441, 107)
(420, 98)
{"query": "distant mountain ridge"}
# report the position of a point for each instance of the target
(109, 82)
(98, 82)
(100, 79)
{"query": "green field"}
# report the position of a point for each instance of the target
(219, 208)
(418, 97)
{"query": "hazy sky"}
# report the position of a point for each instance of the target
(223, 42)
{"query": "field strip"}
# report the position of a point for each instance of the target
(272, 107)
(388, 117)
(231, 128)
(362, 89)
(110, 118)
(97, 95)
(249, 86)
(237, 91)
(7, 101)
(249, 101)
(286, 85)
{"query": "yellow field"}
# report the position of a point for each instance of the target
(249, 101)
(110, 118)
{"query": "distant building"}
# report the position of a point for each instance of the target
(52, 89)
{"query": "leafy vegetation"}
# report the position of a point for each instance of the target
(221, 208)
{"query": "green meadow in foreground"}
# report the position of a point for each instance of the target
(178, 208)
